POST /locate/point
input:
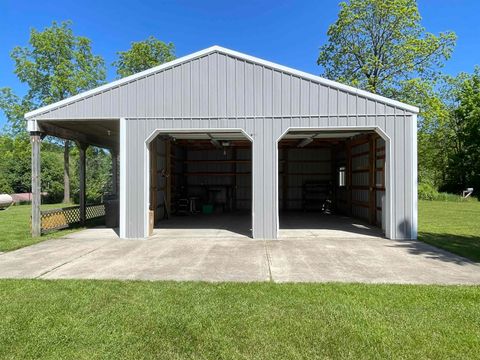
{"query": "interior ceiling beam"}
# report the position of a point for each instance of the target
(306, 141)
(67, 134)
(214, 142)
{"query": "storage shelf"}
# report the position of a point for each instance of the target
(305, 161)
(217, 161)
(213, 174)
(299, 174)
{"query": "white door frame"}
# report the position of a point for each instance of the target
(146, 162)
(388, 168)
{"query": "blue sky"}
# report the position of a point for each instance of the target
(283, 31)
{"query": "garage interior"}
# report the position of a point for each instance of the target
(331, 183)
(201, 181)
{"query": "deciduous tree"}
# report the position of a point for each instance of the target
(143, 55)
(376, 45)
(57, 64)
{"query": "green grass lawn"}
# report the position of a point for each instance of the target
(453, 226)
(113, 319)
(129, 320)
(15, 227)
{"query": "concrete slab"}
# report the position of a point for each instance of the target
(297, 225)
(154, 259)
(209, 255)
(36, 260)
(367, 260)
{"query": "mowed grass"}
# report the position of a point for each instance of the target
(15, 227)
(453, 226)
(166, 320)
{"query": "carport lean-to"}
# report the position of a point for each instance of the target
(302, 137)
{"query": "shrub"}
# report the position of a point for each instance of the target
(427, 192)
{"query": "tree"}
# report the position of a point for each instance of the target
(377, 45)
(143, 55)
(55, 65)
(463, 168)
(14, 109)
(15, 154)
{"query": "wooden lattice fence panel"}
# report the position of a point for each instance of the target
(95, 211)
(55, 219)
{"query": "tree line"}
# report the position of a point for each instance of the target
(55, 65)
(376, 45)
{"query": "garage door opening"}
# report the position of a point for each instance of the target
(331, 183)
(201, 185)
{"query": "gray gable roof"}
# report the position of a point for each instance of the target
(220, 83)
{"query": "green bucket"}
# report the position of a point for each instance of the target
(207, 208)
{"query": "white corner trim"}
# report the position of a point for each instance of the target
(232, 53)
(123, 178)
(414, 165)
(146, 188)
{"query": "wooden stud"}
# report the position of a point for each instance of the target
(285, 179)
(153, 178)
(168, 185)
(334, 180)
(234, 166)
(372, 191)
(348, 155)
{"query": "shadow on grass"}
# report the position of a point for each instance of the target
(463, 245)
(461, 250)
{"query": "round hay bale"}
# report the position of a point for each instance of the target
(5, 201)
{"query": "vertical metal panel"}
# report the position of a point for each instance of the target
(249, 93)
(286, 102)
(277, 93)
(304, 97)
(258, 89)
(222, 85)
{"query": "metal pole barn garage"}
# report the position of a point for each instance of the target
(219, 139)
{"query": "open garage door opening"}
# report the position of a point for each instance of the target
(331, 183)
(201, 185)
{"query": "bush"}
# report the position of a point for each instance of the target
(427, 192)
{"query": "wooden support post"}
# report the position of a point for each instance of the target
(285, 180)
(372, 174)
(82, 148)
(153, 179)
(234, 179)
(36, 139)
(168, 173)
(348, 155)
(114, 155)
(333, 176)
(66, 172)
